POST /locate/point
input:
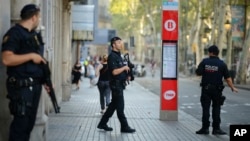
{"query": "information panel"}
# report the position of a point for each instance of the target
(169, 60)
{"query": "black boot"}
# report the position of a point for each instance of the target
(218, 131)
(105, 127)
(204, 131)
(127, 130)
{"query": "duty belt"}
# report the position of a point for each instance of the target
(25, 82)
(211, 86)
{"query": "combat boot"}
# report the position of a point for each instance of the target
(204, 131)
(105, 127)
(127, 130)
(218, 132)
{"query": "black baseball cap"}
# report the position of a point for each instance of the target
(213, 49)
(114, 39)
(29, 8)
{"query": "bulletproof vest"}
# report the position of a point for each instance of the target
(29, 43)
(120, 62)
(212, 71)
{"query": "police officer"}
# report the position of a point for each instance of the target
(22, 50)
(212, 70)
(118, 75)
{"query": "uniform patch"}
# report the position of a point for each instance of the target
(5, 39)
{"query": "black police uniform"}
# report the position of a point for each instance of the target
(24, 82)
(212, 70)
(117, 85)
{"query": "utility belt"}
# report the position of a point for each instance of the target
(222, 98)
(23, 82)
(212, 86)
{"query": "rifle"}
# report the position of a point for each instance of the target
(130, 65)
(48, 82)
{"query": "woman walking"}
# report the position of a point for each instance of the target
(76, 72)
(103, 83)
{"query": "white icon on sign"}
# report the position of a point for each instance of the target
(170, 94)
(170, 25)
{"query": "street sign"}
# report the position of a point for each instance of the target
(170, 25)
(169, 87)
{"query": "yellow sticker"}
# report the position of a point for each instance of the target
(5, 39)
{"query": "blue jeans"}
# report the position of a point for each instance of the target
(104, 90)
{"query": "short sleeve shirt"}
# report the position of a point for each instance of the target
(21, 41)
(115, 61)
(213, 70)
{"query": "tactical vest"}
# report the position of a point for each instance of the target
(29, 43)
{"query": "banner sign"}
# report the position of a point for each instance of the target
(169, 95)
(170, 20)
(238, 25)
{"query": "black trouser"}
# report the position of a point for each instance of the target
(104, 90)
(208, 95)
(22, 124)
(117, 103)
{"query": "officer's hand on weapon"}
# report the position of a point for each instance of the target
(37, 59)
(126, 68)
(129, 78)
(46, 87)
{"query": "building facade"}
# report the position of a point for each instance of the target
(56, 32)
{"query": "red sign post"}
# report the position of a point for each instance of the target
(169, 87)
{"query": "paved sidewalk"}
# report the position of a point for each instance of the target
(80, 115)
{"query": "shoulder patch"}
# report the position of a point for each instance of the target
(5, 39)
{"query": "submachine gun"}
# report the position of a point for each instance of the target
(47, 81)
(130, 65)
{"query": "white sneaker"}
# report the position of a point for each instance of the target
(102, 111)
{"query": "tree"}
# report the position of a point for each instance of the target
(131, 17)
(241, 77)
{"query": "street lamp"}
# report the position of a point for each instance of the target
(227, 25)
(204, 39)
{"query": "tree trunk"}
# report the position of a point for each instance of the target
(193, 37)
(215, 22)
(221, 33)
(241, 75)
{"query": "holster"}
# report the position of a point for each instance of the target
(18, 106)
(220, 88)
(222, 99)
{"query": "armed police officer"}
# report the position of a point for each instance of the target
(118, 75)
(212, 70)
(22, 50)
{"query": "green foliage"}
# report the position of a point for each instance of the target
(126, 14)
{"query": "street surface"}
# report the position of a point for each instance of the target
(236, 109)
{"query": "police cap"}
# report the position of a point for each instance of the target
(213, 49)
(114, 39)
(29, 8)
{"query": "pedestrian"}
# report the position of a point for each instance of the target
(22, 51)
(76, 71)
(118, 75)
(91, 73)
(103, 83)
(85, 64)
(212, 70)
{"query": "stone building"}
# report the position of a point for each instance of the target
(56, 32)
